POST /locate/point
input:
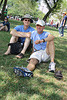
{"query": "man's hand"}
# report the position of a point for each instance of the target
(38, 41)
(28, 34)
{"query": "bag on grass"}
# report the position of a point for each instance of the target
(15, 47)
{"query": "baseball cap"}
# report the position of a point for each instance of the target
(64, 13)
(27, 16)
(40, 22)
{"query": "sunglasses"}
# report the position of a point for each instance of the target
(27, 20)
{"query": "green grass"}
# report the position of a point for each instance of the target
(43, 86)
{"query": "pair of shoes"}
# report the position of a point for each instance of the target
(21, 55)
(58, 75)
(22, 71)
(52, 67)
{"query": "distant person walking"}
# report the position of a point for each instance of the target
(61, 28)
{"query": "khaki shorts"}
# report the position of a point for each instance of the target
(41, 56)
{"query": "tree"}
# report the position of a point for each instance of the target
(1, 2)
(3, 9)
(22, 7)
(53, 6)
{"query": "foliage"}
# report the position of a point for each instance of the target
(21, 8)
(64, 6)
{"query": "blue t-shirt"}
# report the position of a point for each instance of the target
(35, 36)
(65, 18)
(20, 28)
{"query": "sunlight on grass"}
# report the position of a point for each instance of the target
(43, 85)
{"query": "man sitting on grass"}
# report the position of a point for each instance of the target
(19, 33)
(43, 47)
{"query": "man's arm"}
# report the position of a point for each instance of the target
(20, 34)
(64, 22)
(49, 38)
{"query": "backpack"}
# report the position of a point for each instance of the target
(15, 47)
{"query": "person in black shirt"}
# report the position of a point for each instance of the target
(5, 26)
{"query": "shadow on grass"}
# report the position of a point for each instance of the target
(51, 28)
(30, 86)
(33, 86)
(61, 52)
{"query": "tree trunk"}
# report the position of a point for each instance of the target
(1, 2)
(4, 6)
(50, 9)
(48, 13)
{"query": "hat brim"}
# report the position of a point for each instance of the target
(31, 21)
(63, 13)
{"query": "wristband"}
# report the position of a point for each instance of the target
(43, 40)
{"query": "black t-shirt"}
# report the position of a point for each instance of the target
(7, 24)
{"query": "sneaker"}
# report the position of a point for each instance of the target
(52, 67)
(62, 35)
(59, 35)
(22, 71)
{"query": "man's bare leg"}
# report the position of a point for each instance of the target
(32, 64)
(12, 40)
(26, 44)
(5, 28)
(50, 49)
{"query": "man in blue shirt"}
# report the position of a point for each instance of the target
(61, 28)
(19, 33)
(43, 48)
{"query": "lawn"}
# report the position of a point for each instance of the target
(43, 85)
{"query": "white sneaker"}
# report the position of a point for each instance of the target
(59, 35)
(52, 67)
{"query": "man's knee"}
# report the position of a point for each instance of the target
(33, 61)
(13, 39)
(5, 28)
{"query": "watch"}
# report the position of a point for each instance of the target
(43, 40)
